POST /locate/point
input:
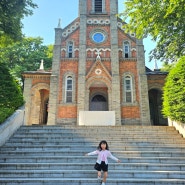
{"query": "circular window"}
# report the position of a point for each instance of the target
(98, 37)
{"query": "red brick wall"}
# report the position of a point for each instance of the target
(130, 112)
(71, 66)
(67, 112)
(130, 66)
(39, 80)
(156, 79)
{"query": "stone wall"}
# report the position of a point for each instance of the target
(179, 126)
(11, 125)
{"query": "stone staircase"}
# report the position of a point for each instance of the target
(51, 155)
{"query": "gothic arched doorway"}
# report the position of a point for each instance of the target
(155, 102)
(44, 98)
(98, 103)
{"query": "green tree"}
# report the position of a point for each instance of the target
(174, 92)
(25, 55)
(10, 93)
(166, 67)
(162, 20)
(11, 14)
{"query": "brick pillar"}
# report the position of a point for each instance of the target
(143, 86)
(115, 104)
(82, 57)
(54, 80)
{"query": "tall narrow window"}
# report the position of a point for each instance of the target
(69, 89)
(126, 49)
(98, 6)
(128, 89)
(70, 49)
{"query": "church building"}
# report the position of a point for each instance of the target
(98, 75)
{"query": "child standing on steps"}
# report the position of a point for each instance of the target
(102, 162)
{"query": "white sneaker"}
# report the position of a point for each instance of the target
(99, 178)
(103, 183)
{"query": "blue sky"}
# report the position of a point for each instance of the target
(46, 16)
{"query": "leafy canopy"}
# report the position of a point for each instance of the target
(174, 92)
(11, 14)
(163, 20)
(25, 55)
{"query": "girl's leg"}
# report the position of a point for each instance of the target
(105, 174)
(99, 174)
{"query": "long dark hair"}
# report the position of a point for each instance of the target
(103, 142)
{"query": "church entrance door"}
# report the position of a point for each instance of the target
(155, 102)
(98, 103)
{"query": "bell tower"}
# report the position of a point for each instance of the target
(98, 31)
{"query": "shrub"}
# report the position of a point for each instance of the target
(174, 93)
(10, 93)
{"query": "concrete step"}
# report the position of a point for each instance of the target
(84, 130)
(76, 159)
(97, 129)
(91, 174)
(94, 136)
(89, 166)
(83, 127)
(11, 146)
(97, 139)
(74, 144)
(90, 181)
(53, 151)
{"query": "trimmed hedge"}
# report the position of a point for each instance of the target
(174, 92)
(10, 93)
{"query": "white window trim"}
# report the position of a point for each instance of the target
(70, 43)
(66, 84)
(64, 87)
(133, 91)
(126, 43)
(93, 7)
(131, 88)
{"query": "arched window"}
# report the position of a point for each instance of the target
(128, 89)
(69, 89)
(98, 98)
(98, 7)
(70, 49)
(126, 49)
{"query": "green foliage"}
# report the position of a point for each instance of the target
(162, 20)
(174, 92)
(14, 49)
(26, 55)
(166, 67)
(10, 93)
(5, 41)
(11, 14)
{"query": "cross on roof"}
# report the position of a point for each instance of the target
(98, 54)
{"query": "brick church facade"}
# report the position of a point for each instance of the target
(97, 68)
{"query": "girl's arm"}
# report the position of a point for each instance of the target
(114, 158)
(92, 153)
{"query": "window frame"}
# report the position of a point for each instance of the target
(103, 11)
(129, 89)
(133, 89)
(70, 49)
(68, 90)
(97, 6)
(126, 46)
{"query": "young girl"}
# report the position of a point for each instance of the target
(102, 162)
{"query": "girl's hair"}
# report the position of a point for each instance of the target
(103, 142)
